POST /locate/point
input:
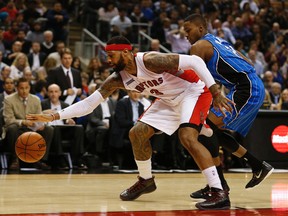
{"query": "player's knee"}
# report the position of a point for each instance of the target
(228, 140)
(188, 139)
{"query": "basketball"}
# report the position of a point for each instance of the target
(30, 147)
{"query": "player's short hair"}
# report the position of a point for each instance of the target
(196, 18)
(118, 40)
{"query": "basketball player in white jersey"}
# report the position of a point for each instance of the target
(183, 102)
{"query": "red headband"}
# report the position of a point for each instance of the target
(118, 47)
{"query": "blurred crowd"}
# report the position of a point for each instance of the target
(34, 55)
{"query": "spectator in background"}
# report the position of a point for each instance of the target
(19, 65)
(16, 106)
(275, 95)
(11, 54)
(277, 76)
(3, 44)
(106, 13)
(267, 101)
(48, 46)
(26, 45)
(259, 54)
(154, 45)
(68, 78)
(40, 7)
(127, 112)
(228, 35)
(27, 74)
(93, 69)
(57, 20)
(104, 73)
(284, 99)
(8, 88)
(98, 126)
(5, 73)
(76, 63)
(40, 89)
(36, 58)
(60, 45)
(10, 9)
(2, 64)
(10, 35)
(268, 80)
(257, 64)
(30, 13)
(121, 24)
(36, 33)
(241, 32)
(74, 133)
(146, 9)
(21, 24)
(273, 33)
(177, 39)
(137, 17)
(4, 20)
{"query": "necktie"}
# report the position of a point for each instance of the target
(68, 79)
(24, 102)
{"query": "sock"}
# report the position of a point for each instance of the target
(144, 168)
(254, 163)
(212, 177)
(220, 174)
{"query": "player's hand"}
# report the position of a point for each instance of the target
(223, 104)
(39, 117)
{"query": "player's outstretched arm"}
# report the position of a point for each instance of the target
(85, 106)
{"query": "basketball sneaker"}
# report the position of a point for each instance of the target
(218, 199)
(142, 186)
(204, 193)
(260, 175)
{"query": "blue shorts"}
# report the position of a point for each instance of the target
(248, 96)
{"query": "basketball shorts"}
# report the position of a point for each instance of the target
(191, 109)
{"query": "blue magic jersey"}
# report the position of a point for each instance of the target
(237, 75)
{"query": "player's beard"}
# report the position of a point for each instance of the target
(120, 65)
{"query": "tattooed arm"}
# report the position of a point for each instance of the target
(85, 106)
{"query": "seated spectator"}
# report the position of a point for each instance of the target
(275, 95)
(16, 106)
(19, 65)
(284, 99)
(267, 101)
(11, 54)
(26, 45)
(257, 64)
(93, 69)
(36, 58)
(40, 89)
(48, 46)
(8, 88)
(127, 112)
(104, 72)
(10, 35)
(60, 45)
(98, 127)
(74, 133)
(36, 33)
(10, 9)
(5, 73)
(76, 63)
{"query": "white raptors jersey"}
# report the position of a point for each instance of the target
(169, 88)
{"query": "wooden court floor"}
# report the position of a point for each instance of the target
(98, 194)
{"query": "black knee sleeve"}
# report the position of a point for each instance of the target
(211, 143)
(230, 141)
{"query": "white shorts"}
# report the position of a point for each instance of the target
(193, 109)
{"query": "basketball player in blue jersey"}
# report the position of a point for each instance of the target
(236, 73)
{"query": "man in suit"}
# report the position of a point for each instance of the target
(66, 77)
(127, 112)
(64, 129)
(98, 126)
(16, 107)
(36, 58)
